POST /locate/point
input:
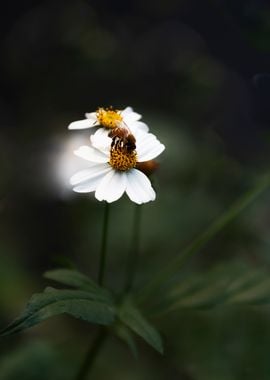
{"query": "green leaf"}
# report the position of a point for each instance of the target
(230, 283)
(79, 304)
(78, 280)
(132, 317)
(257, 293)
(72, 278)
(126, 336)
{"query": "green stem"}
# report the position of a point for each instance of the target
(229, 215)
(102, 333)
(134, 249)
(103, 249)
(92, 354)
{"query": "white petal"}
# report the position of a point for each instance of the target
(148, 146)
(87, 174)
(81, 124)
(86, 188)
(129, 115)
(127, 110)
(91, 154)
(139, 188)
(100, 140)
(92, 116)
(91, 184)
(111, 187)
(137, 126)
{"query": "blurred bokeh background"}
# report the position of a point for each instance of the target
(199, 72)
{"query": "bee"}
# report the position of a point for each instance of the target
(123, 138)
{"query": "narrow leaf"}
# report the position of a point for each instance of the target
(72, 278)
(51, 302)
(126, 336)
(133, 318)
(256, 294)
(229, 283)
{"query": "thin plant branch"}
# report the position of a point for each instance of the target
(92, 353)
(104, 241)
(132, 259)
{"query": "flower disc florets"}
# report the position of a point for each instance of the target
(109, 117)
(121, 159)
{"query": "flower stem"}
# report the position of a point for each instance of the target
(134, 249)
(102, 333)
(92, 354)
(103, 249)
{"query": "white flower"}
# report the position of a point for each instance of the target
(112, 169)
(110, 118)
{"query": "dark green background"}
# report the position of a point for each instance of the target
(198, 71)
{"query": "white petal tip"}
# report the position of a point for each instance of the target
(81, 124)
(162, 148)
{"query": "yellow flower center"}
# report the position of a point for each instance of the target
(122, 159)
(108, 117)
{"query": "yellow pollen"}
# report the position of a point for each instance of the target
(121, 159)
(108, 117)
